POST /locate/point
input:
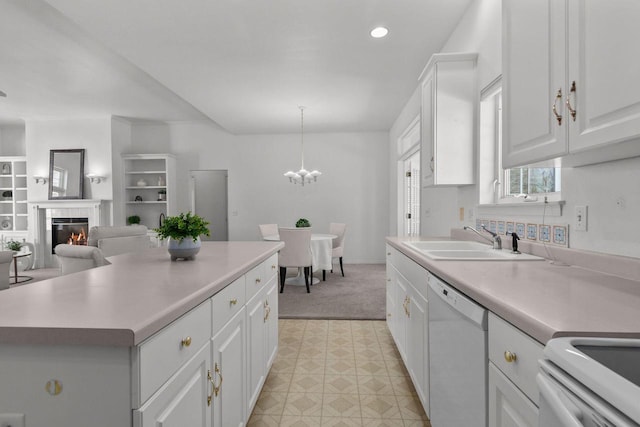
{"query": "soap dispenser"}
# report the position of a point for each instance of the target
(514, 242)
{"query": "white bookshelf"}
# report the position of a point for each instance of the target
(146, 176)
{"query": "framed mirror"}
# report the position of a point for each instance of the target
(66, 174)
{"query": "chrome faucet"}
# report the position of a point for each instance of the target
(496, 241)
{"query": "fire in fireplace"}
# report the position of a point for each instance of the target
(72, 231)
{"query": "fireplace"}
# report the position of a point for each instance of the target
(72, 231)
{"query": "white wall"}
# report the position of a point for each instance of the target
(93, 134)
(609, 189)
(120, 143)
(12, 140)
(353, 188)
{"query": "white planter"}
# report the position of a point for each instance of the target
(185, 249)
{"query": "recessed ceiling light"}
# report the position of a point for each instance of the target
(379, 32)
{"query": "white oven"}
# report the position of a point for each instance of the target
(590, 382)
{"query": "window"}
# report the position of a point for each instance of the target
(507, 185)
(530, 181)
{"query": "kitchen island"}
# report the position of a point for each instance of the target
(126, 344)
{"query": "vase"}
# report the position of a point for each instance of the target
(185, 249)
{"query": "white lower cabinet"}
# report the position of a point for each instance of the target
(228, 373)
(408, 322)
(513, 365)
(219, 385)
(417, 345)
(508, 406)
(183, 399)
(262, 338)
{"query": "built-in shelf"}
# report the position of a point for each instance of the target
(13, 183)
(153, 169)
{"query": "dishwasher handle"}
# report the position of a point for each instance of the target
(468, 308)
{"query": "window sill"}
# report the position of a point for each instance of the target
(551, 209)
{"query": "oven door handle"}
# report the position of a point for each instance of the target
(560, 404)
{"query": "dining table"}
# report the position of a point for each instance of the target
(321, 249)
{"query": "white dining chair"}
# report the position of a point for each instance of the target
(296, 253)
(339, 229)
(268, 229)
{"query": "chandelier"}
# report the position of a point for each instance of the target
(302, 175)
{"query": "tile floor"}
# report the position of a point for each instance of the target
(337, 373)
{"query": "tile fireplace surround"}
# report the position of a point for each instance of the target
(96, 211)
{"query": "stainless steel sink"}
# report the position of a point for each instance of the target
(456, 250)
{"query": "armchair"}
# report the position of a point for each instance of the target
(6, 257)
(102, 242)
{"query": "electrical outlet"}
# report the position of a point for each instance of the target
(12, 420)
(580, 218)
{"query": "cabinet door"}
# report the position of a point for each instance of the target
(392, 314)
(417, 346)
(508, 406)
(228, 373)
(402, 298)
(183, 400)
(271, 322)
(534, 73)
(603, 62)
(256, 348)
(427, 162)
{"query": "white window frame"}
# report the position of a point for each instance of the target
(491, 100)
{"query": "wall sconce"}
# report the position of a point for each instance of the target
(40, 179)
(95, 178)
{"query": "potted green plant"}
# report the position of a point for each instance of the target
(303, 222)
(133, 219)
(183, 232)
(13, 245)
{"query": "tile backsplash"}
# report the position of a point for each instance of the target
(557, 234)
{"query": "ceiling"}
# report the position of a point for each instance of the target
(245, 64)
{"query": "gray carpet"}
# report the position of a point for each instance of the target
(360, 295)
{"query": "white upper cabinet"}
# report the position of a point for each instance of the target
(570, 84)
(605, 66)
(533, 75)
(449, 98)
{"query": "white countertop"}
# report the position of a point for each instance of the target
(542, 299)
(126, 302)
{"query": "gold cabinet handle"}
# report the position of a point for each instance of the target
(267, 311)
(553, 107)
(258, 280)
(432, 164)
(388, 314)
(572, 110)
(213, 386)
(53, 387)
(510, 357)
(273, 267)
(216, 389)
(388, 253)
(406, 303)
(186, 342)
(233, 301)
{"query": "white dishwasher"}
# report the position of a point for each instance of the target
(457, 358)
